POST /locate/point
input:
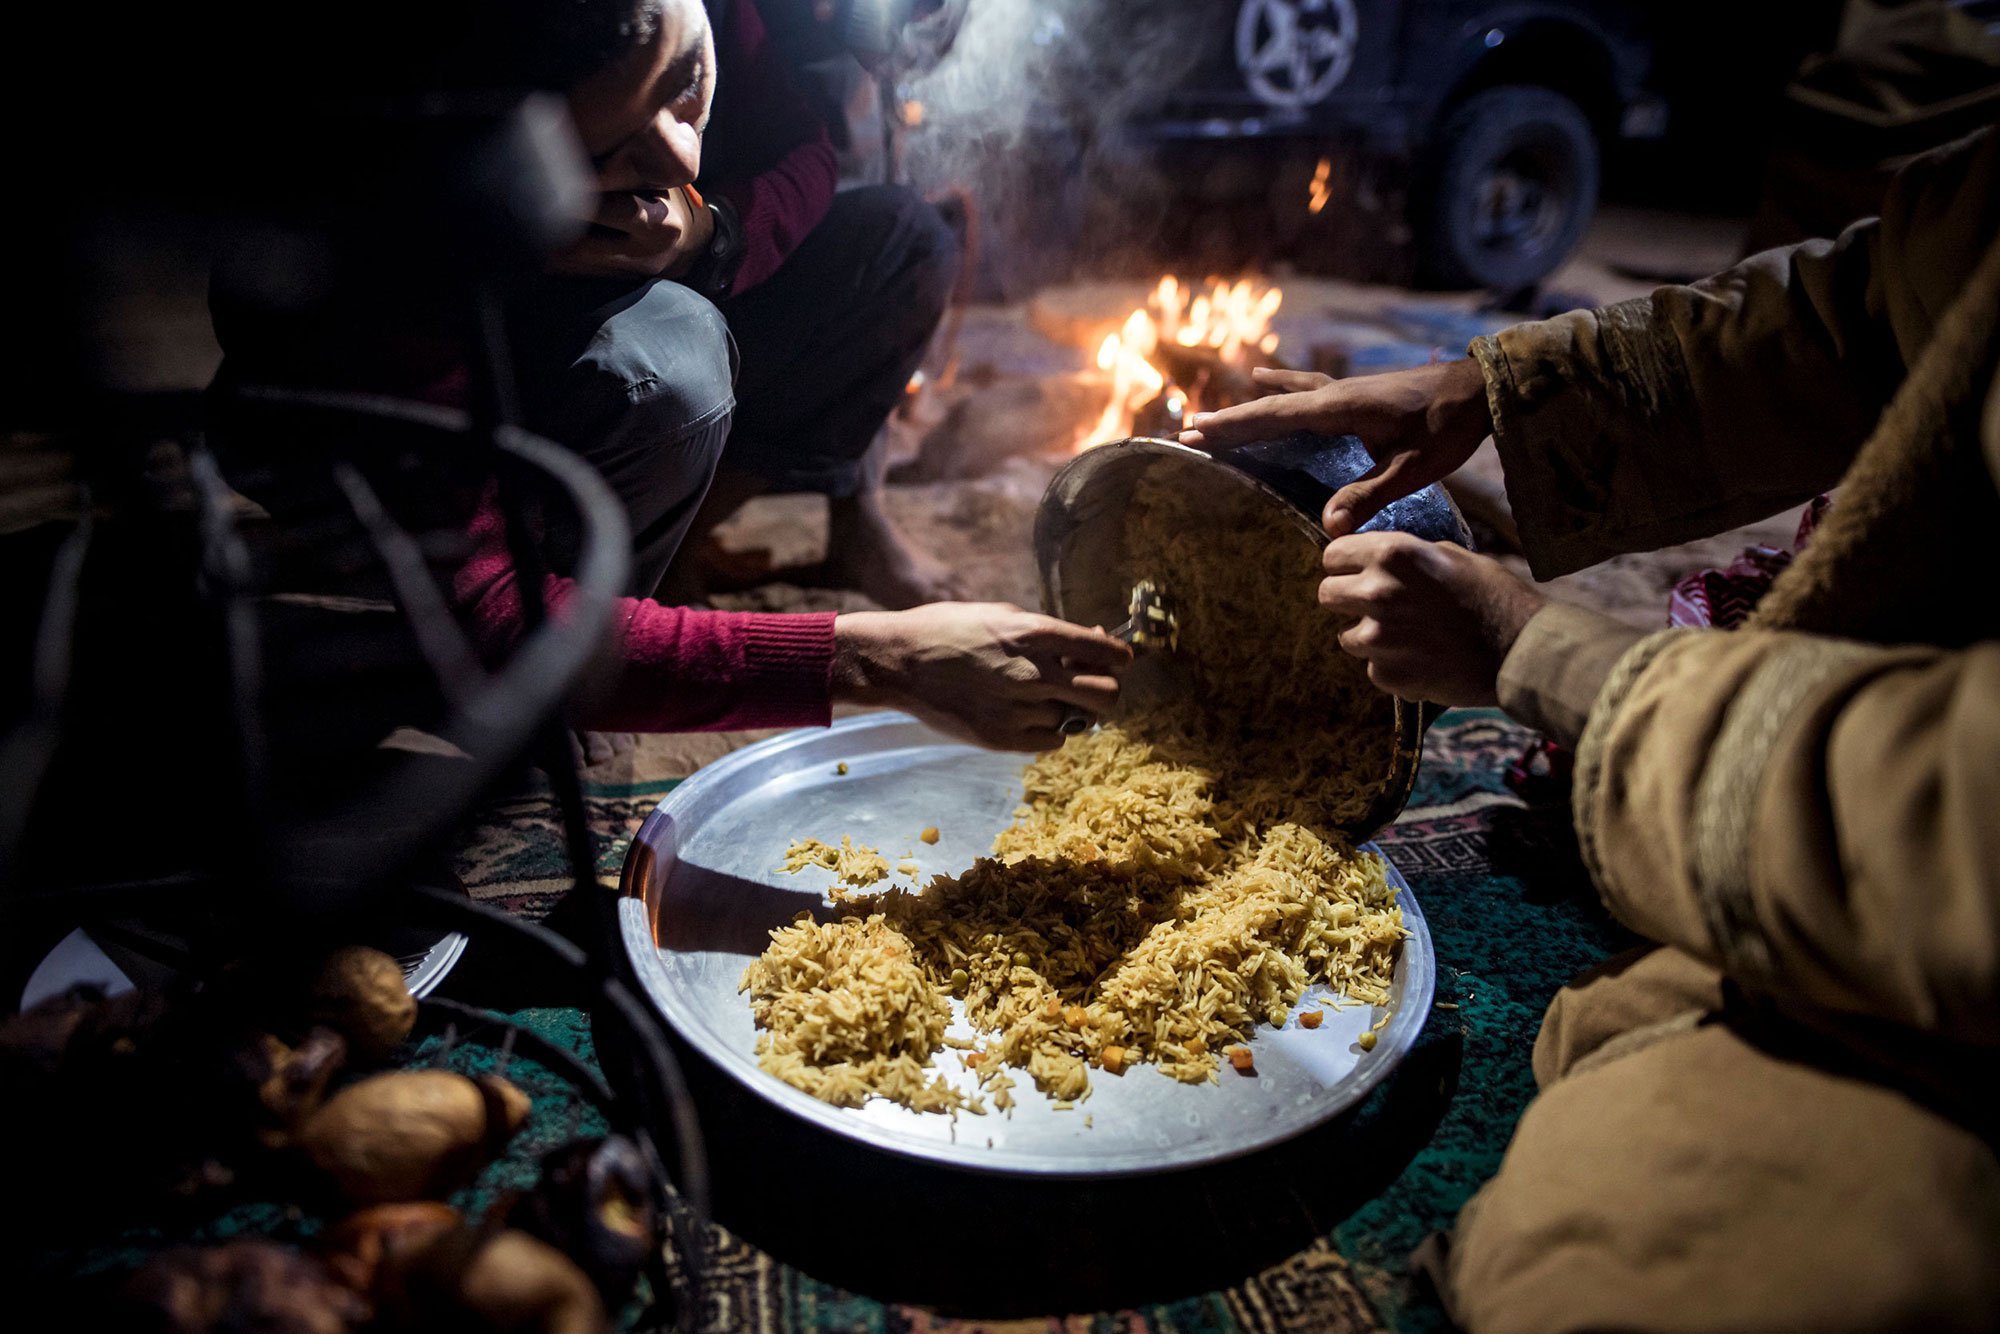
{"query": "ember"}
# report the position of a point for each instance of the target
(1321, 188)
(1181, 353)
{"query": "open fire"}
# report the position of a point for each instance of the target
(1183, 353)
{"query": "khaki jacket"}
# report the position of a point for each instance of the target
(1812, 803)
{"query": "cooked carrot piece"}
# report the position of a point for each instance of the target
(930, 834)
(1113, 1059)
(1075, 1016)
(1311, 1018)
(1240, 1057)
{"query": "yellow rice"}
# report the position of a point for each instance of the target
(858, 867)
(1172, 880)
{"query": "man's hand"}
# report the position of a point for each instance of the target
(984, 671)
(641, 236)
(1418, 424)
(1432, 620)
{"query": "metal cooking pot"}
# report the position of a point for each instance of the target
(1080, 533)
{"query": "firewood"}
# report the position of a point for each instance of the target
(1204, 375)
(1039, 415)
(1081, 314)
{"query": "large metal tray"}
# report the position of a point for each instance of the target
(702, 892)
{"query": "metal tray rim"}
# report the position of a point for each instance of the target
(636, 910)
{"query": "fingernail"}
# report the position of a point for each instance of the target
(1190, 437)
(1199, 418)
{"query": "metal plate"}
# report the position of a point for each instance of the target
(702, 892)
(78, 958)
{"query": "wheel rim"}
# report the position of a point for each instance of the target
(1521, 201)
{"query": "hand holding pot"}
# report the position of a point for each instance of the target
(1432, 620)
(1419, 426)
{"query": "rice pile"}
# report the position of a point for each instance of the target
(874, 1032)
(858, 867)
(1172, 880)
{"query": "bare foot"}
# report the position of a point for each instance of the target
(865, 550)
(591, 749)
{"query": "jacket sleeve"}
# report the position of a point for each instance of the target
(1699, 408)
(1814, 816)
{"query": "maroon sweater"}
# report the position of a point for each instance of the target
(679, 670)
(683, 670)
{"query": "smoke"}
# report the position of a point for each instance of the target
(1038, 111)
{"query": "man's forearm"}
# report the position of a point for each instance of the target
(1557, 666)
(1812, 815)
(1703, 406)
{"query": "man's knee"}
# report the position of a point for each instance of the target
(917, 247)
(1629, 993)
(660, 365)
(935, 253)
(933, 247)
(643, 391)
(1700, 1183)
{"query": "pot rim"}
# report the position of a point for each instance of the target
(1071, 481)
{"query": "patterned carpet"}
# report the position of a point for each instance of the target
(1511, 919)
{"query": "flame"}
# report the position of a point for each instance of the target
(913, 116)
(1135, 381)
(1231, 320)
(1320, 190)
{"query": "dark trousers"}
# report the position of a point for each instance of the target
(639, 380)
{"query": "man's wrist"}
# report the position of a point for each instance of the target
(1558, 661)
(1460, 409)
(713, 272)
(860, 673)
(701, 226)
(1517, 605)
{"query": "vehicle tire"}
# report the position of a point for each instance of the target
(1513, 184)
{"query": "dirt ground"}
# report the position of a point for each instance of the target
(1012, 415)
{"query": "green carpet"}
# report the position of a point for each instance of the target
(1511, 919)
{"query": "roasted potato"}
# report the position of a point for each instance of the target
(594, 1203)
(359, 993)
(413, 1134)
(241, 1285)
